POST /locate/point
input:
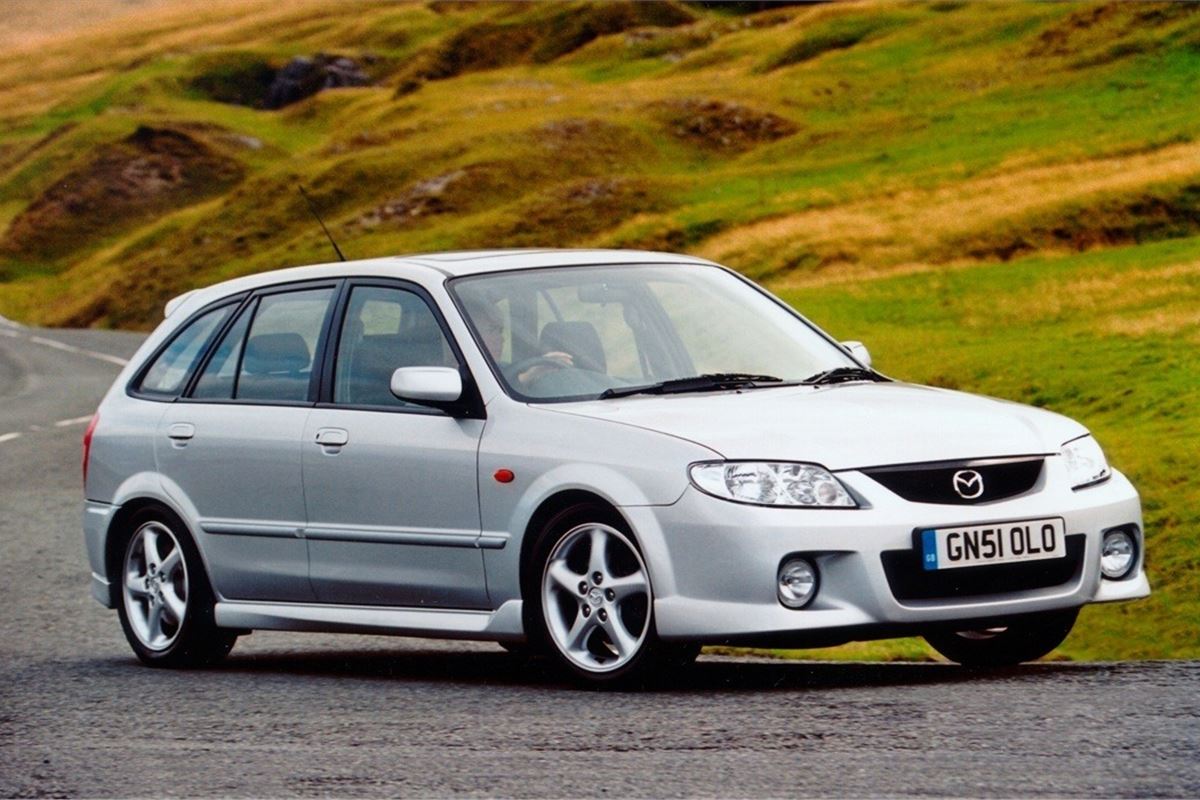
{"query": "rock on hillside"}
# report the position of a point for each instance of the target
(150, 171)
(303, 77)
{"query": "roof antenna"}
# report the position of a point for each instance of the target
(321, 222)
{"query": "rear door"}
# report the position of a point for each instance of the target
(231, 448)
(390, 487)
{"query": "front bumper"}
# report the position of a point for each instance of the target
(714, 563)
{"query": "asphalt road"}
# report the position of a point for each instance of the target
(327, 715)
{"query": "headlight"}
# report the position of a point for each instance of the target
(771, 484)
(1085, 462)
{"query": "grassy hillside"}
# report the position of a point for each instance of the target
(1002, 198)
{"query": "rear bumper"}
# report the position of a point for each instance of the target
(97, 519)
(714, 563)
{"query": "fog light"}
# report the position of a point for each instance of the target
(797, 582)
(1118, 555)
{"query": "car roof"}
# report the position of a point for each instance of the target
(448, 265)
(472, 262)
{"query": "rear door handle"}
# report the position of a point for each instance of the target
(332, 437)
(181, 431)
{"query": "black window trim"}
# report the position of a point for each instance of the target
(470, 406)
(338, 286)
(133, 387)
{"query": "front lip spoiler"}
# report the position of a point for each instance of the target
(832, 637)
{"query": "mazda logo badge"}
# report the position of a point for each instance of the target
(968, 483)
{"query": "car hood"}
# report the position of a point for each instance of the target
(842, 426)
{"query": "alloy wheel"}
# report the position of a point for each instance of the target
(596, 598)
(155, 586)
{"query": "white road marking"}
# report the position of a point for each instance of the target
(70, 348)
(63, 423)
(9, 323)
(9, 333)
(8, 437)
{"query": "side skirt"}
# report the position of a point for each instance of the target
(503, 624)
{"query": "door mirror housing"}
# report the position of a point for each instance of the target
(859, 351)
(443, 388)
(427, 385)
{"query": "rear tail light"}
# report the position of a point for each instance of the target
(87, 444)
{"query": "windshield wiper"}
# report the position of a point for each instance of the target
(697, 383)
(842, 375)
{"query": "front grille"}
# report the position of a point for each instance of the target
(935, 483)
(910, 581)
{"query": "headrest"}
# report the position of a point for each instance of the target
(276, 352)
(421, 327)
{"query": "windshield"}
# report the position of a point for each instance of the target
(576, 332)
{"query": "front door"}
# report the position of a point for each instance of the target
(390, 487)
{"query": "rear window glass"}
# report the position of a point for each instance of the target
(216, 381)
(277, 360)
(268, 353)
(172, 366)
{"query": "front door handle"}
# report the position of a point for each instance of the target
(332, 437)
(181, 431)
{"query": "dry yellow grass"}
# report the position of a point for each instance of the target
(914, 225)
(27, 23)
(1184, 324)
(1133, 304)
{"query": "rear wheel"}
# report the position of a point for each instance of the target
(1025, 640)
(592, 605)
(166, 606)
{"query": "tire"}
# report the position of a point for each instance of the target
(517, 649)
(600, 632)
(677, 655)
(1027, 639)
(166, 603)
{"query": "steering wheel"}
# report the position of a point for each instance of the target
(529, 363)
(541, 366)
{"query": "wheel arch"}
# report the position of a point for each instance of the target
(119, 532)
(550, 507)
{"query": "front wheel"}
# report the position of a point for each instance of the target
(1027, 639)
(593, 602)
(166, 606)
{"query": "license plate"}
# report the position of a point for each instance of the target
(994, 543)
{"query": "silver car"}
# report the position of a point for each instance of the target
(607, 457)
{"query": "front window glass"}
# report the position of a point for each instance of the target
(385, 329)
(572, 333)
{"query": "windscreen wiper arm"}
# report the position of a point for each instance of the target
(696, 383)
(842, 375)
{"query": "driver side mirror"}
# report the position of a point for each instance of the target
(443, 388)
(859, 351)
